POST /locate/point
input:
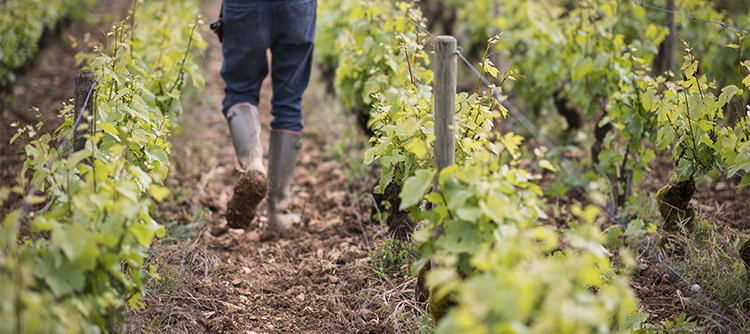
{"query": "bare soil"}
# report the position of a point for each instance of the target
(661, 295)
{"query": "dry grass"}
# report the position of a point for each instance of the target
(173, 295)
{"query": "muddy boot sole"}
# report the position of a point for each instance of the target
(249, 191)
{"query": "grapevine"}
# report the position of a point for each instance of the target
(482, 202)
(80, 256)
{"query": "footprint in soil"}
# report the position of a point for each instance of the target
(249, 191)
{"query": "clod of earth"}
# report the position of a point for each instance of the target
(248, 192)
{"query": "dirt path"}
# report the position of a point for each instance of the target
(312, 280)
(217, 280)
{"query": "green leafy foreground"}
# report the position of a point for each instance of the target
(494, 266)
(71, 265)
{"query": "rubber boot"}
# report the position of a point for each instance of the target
(282, 155)
(244, 125)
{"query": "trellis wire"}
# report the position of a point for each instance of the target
(575, 173)
(524, 121)
(691, 16)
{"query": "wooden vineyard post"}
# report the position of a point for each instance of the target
(445, 101)
(84, 81)
(664, 61)
(444, 92)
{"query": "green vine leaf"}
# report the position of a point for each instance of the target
(415, 188)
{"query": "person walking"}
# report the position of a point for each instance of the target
(248, 29)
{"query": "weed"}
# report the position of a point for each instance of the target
(177, 267)
(682, 324)
(413, 321)
(708, 259)
(389, 256)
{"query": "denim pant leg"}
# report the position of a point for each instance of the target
(292, 52)
(247, 36)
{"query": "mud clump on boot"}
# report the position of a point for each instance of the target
(249, 191)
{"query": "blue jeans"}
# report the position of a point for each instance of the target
(251, 27)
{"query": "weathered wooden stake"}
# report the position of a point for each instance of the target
(664, 60)
(444, 92)
(84, 80)
(445, 101)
